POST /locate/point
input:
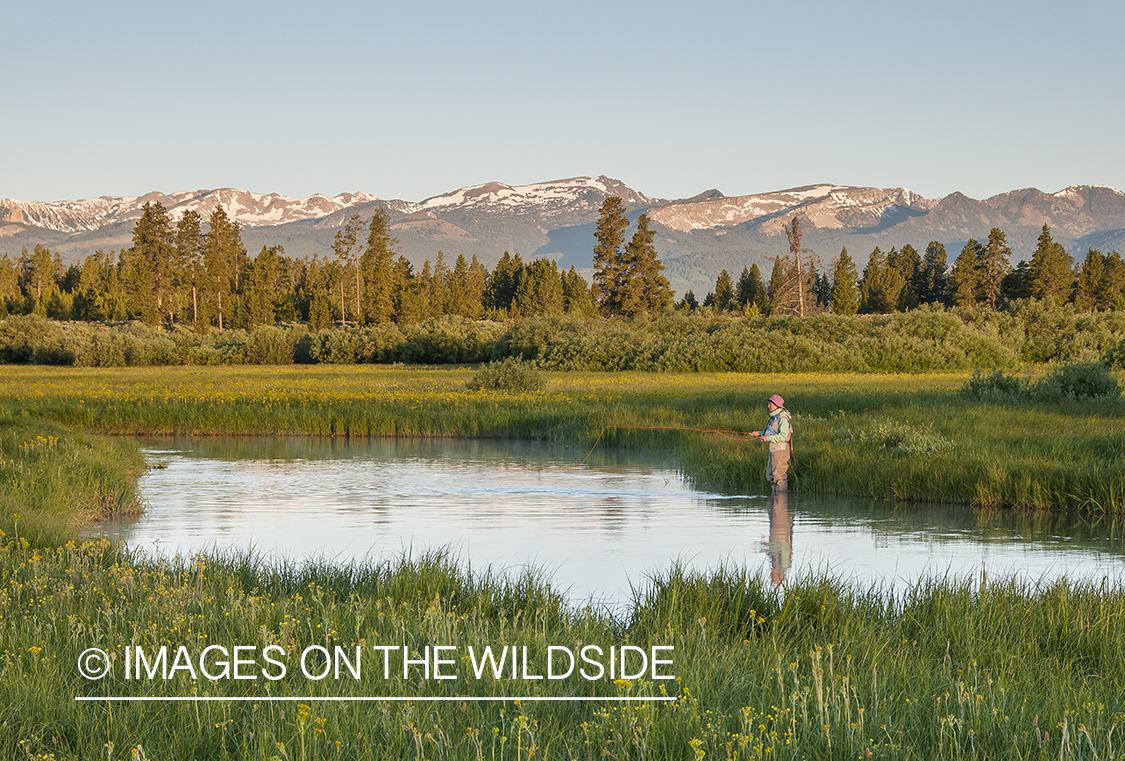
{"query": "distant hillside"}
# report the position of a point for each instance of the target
(696, 237)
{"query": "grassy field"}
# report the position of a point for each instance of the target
(907, 437)
(954, 668)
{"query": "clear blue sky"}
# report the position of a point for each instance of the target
(412, 99)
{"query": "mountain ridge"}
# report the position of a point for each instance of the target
(696, 236)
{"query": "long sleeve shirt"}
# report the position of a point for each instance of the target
(779, 430)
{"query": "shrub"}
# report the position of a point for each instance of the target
(510, 374)
(1080, 380)
(273, 346)
(996, 387)
(1069, 382)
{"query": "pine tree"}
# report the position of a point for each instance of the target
(576, 293)
(907, 262)
(439, 287)
(348, 247)
(881, 285)
(153, 255)
(9, 286)
(503, 283)
(189, 248)
(1111, 289)
(225, 260)
(931, 276)
(376, 263)
(1052, 269)
(475, 291)
(1087, 289)
(964, 278)
(993, 263)
(320, 310)
(642, 285)
(845, 285)
(724, 298)
(688, 303)
(775, 291)
(610, 236)
(1017, 283)
(540, 290)
(458, 287)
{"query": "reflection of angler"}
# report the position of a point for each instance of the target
(780, 545)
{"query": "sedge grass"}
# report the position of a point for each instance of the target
(906, 437)
(958, 668)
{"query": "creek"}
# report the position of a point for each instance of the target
(597, 530)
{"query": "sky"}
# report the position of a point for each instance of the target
(410, 100)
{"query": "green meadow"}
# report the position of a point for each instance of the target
(953, 668)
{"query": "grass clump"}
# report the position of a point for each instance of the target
(1069, 382)
(511, 374)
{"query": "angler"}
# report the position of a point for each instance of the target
(779, 435)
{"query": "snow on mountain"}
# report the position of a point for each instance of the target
(248, 209)
(543, 198)
(824, 206)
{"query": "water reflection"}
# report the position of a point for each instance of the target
(780, 545)
(599, 529)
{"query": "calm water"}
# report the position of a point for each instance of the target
(595, 529)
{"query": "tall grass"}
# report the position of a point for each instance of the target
(907, 437)
(953, 669)
(958, 668)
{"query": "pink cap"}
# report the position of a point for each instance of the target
(776, 400)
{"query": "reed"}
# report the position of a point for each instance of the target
(905, 437)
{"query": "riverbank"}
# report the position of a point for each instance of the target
(954, 668)
(904, 437)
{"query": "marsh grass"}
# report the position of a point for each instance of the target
(958, 668)
(906, 437)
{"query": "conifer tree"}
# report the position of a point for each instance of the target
(964, 278)
(724, 298)
(224, 258)
(576, 293)
(775, 290)
(1087, 289)
(845, 288)
(1052, 269)
(189, 248)
(153, 255)
(439, 287)
(377, 263)
(348, 247)
(749, 286)
(610, 236)
(881, 285)
(9, 286)
(1111, 289)
(475, 290)
(504, 281)
(993, 263)
(320, 310)
(644, 288)
(907, 262)
(540, 289)
(1017, 283)
(458, 287)
(931, 276)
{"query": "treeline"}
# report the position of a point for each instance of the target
(902, 279)
(928, 339)
(202, 276)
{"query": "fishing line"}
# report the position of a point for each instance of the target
(738, 435)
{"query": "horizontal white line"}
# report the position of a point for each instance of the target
(362, 698)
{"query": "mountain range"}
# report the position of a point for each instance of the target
(696, 237)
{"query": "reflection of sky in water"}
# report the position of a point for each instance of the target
(596, 528)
